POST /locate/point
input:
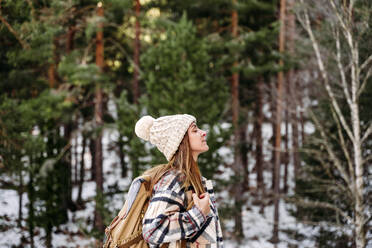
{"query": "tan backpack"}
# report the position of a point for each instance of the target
(125, 230)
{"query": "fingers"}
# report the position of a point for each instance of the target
(201, 196)
(202, 202)
(204, 195)
(195, 198)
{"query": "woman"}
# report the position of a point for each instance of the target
(182, 209)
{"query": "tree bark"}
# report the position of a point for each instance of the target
(93, 161)
(275, 238)
(273, 102)
(293, 89)
(259, 142)
(49, 235)
(302, 117)
(359, 187)
(285, 158)
(136, 54)
(124, 170)
(20, 194)
(76, 162)
(68, 204)
(237, 152)
(98, 115)
(244, 154)
(70, 39)
(82, 171)
(52, 74)
(31, 209)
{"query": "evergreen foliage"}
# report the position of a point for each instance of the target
(48, 80)
(181, 77)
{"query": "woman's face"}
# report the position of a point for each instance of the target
(197, 139)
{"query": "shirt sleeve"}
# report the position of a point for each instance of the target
(166, 219)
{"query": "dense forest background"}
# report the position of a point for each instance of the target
(282, 87)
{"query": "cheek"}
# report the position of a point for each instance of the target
(194, 143)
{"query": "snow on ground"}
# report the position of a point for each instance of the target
(257, 227)
(72, 233)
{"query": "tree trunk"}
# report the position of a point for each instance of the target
(275, 238)
(273, 101)
(293, 89)
(244, 155)
(302, 118)
(136, 54)
(237, 152)
(70, 39)
(93, 157)
(52, 67)
(68, 128)
(98, 115)
(31, 210)
(20, 194)
(51, 76)
(285, 158)
(82, 171)
(68, 204)
(49, 233)
(359, 187)
(76, 162)
(360, 220)
(124, 170)
(259, 142)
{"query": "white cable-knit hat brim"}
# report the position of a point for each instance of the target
(176, 132)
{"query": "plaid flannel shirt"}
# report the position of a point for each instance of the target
(167, 220)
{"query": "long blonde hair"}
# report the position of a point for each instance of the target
(183, 162)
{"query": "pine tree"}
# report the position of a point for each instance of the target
(179, 75)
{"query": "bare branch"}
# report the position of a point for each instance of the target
(366, 62)
(324, 74)
(344, 148)
(367, 159)
(23, 43)
(329, 149)
(365, 80)
(343, 25)
(353, 48)
(340, 18)
(318, 204)
(332, 184)
(341, 69)
(367, 133)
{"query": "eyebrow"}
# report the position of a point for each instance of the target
(193, 125)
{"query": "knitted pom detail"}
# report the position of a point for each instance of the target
(143, 126)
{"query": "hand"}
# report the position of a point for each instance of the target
(202, 202)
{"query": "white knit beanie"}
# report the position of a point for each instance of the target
(166, 132)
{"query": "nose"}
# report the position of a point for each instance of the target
(203, 133)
